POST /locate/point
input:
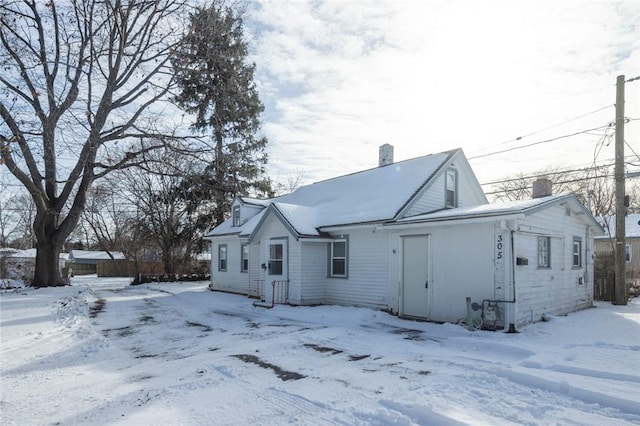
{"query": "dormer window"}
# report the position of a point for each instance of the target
(236, 216)
(451, 186)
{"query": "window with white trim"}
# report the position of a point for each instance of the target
(244, 258)
(236, 216)
(577, 252)
(276, 252)
(222, 257)
(338, 251)
(544, 252)
(451, 196)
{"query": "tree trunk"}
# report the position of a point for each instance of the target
(50, 236)
(167, 260)
(47, 272)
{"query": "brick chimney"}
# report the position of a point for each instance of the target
(385, 155)
(541, 188)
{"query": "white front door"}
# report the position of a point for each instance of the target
(275, 284)
(415, 276)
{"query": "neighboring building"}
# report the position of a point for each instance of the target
(20, 265)
(605, 253)
(84, 262)
(414, 238)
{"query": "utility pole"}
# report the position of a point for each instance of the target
(620, 293)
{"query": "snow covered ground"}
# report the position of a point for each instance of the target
(103, 352)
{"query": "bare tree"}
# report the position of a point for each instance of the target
(289, 184)
(81, 80)
(18, 212)
(163, 217)
(107, 217)
(594, 187)
(7, 216)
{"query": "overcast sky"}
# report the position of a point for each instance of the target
(340, 78)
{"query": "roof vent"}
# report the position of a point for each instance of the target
(541, 188)
(385, 155)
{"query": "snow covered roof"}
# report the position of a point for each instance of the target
(23, 254)
(301, 218)
(372, 195)
(227, 228)
(631, 225)
(499, 209)
(94, 255)
(255, 201)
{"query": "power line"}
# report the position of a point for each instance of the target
(559, 172)
(632, 150)
(540, 142)
(553, 126)
(557, 183)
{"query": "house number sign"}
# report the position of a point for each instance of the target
(499, 246)
(499, 278)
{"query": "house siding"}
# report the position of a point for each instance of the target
(313, 281)
(231, 280)
(368, 262)
(460, 265)
(433, 198)
(273, 229)
(255, 276)
(247, 212)
(556, 290)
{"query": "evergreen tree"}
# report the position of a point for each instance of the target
(217, 86)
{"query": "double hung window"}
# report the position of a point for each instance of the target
(222, 257)
(577, 252)
(451, 196)
(244, 258)
(544, 252)
(338, 258)
(275, 259)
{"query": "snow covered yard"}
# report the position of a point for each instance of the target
(101, 351)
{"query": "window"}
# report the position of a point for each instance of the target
(275, 259)
(627, 253)
(236, 216)
(451, 198)
(338, 258)
(577, 252)
(544, 252)
(222, 257)
(244, 258)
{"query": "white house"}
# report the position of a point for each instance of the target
(414, 238)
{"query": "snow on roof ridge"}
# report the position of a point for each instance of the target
(396, 163)
(367, 196)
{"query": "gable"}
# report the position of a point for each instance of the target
(432, 197)
(271, 224)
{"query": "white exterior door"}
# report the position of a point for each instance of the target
(415, 276)
(277, 265)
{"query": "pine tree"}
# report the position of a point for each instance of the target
(217, 86)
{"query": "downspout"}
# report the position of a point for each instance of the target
(512, 326)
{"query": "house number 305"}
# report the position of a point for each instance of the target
(499, 246)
